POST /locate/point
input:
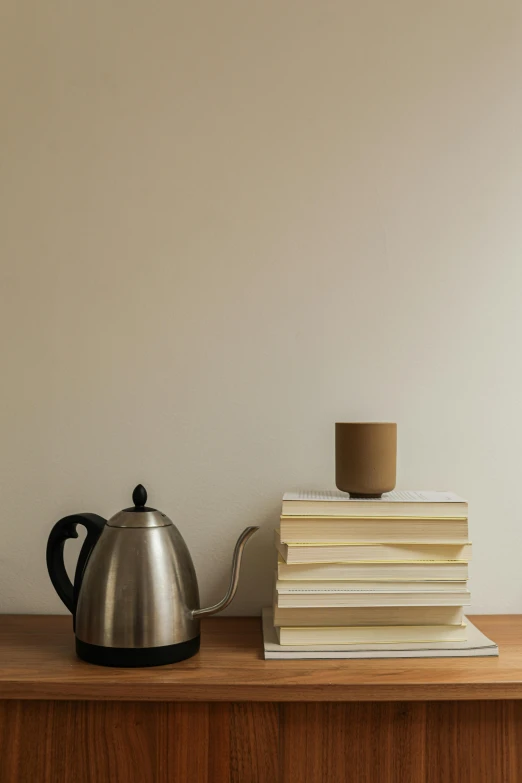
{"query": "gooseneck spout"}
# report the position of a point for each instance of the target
(234, 578)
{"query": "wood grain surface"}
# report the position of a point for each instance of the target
(37, 661)
(160, 742)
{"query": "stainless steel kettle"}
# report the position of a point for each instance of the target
(135, 599)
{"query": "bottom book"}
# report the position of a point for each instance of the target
(476, 645)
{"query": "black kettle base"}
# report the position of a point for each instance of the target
(134, 657)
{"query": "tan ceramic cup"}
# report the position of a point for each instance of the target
(365, 458)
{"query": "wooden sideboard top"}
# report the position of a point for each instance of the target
(37, 661)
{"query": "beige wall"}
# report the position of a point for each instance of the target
(226, 225)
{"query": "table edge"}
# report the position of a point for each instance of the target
(38, 691)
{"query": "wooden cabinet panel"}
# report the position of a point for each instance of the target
(472, 742)
(262, 742)
(254, 743)
(68, 742)
(183, 752)
(359, 742)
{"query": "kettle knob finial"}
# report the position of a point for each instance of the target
(139, 496)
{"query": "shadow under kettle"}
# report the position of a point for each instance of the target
(135, 598)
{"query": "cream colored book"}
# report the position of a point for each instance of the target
(475, 645)
(334, 598)
(346, 553)
(430, 571)
(368, 615)
(324, 530)
(383, 635)
(401, 503)
(291, 586)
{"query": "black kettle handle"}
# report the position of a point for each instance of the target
(64, 529)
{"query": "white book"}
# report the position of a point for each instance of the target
(416, 503)
(367, 616)
(392, 634)
(302, 586)
(324, 530)
(428, 570)
(346, 553)
(360, 598)
(476, 644)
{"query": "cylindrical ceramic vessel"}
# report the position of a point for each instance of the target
(365, 458)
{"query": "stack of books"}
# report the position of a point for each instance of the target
(362, 576)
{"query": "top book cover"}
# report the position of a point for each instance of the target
(399, 502)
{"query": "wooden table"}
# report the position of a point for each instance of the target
(228, 715)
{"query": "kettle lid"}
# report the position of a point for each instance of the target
(139, 515)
